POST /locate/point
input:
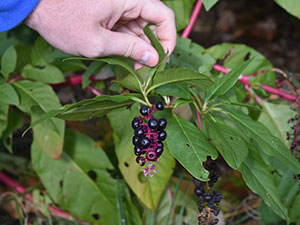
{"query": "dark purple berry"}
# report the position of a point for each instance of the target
(210, 204)
(162, 135)
(137, 151)
(199, 191)
(160, 144)
(160, 106)
(200, 199)
(139, 132)
(216, 211)
(162, 123)
(151, 156)
(159, 151)
(144, 110)
(145, 142)
(141, 160)
(153, 123)
(207, 197)
(135, 140)
(135, 123)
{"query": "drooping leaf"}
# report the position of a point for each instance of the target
(182, 10)
(8, 95)
(275, 118)
(291, 6)
(95, 107)
(47, 73)
(8, 61)
(79, 181)
(208, 4)
(36, 99)
(93, 68)
(258, 177)
(189, 146)
(268, 143)
(177, 75)
(229, 143)
(223, 84)
(148, 190)
(189, 55)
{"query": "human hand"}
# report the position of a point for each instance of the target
(98, 28)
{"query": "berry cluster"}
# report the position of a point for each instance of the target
(148, 136)
(294, 137)
(208, 200)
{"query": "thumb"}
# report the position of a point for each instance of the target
(117, 43)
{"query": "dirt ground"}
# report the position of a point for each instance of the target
(261, 24)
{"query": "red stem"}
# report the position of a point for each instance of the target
(20, 189)
(245, 80)
(94, 91)
(193, 19)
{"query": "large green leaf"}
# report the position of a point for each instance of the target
(177, 75)
(275, 117)
(189, 146)
(229, 143)
(291, 6)
(189, 55)
(41, 52)
(95, 107)
(294, 211)
(223, 84)
(79, 181)
(148, 190)
(182, 10)
(8, 95)
(208, 4)
(236, 54)
(47, 73)
(178, 90)
(36, 99)
(268, 143)
(8, 61)
(258, 176)
(3, 117)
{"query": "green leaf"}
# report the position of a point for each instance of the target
(41, 53)
(182, 10)
(8, 95)
(94, 67)
(189, 55)
(3, 117)
(113, 61)
(294, 211)
(36, 99)
(208, 4)
(8, 61)
(258, 177)
(177, 75)
(291, 6)
(148, 190)
(178, 90)
(270, 144)
(95, 107)
(71, 66)
(229, 143)
(189, 146)
(47, 73)
(79, 181)
(155, 43)
(180, 102)
(275, 117)
(223, 84)
(236, 54)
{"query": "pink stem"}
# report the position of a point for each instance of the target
(20, 189)
(94, 91)
(193, 19)
(245, 80)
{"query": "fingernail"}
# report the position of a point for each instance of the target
(145, 57)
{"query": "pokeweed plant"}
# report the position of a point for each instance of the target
(77, 173)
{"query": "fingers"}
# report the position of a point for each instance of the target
(128, 45)
(164, 20)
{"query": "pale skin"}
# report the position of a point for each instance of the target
(97, 28)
